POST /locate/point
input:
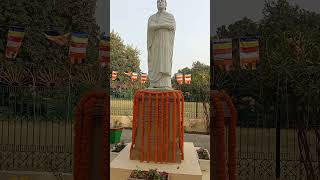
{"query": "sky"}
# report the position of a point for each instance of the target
(103, 15)
(192, 39)
(226, 12)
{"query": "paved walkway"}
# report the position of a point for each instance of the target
(199, 140)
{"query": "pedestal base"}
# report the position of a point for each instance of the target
(157, 130)
(189, 169)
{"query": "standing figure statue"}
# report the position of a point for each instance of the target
(161, 33)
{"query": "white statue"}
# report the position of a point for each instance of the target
(161, 32)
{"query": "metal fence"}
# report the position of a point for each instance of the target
(36, 130)
(264, 154)
(122, 105)
(283, 143)
(36, 126)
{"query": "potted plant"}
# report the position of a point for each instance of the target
(203, 158)
(152, 174)
(116, 149)
(115, 132)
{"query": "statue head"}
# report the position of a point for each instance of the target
(162, 5)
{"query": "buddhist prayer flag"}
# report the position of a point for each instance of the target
(143, 78)
(114, 75)
(128, 73)
(179, 78)
(104, 51)
(187, 78)
(78, 47)
(134, 76)
(14, 41)
(56, 37)
(222, 53)
(249, 53)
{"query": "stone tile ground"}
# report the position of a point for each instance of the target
(199, 140)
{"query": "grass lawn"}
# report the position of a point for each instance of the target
(123, 107)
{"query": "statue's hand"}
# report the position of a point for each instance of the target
(166, 26)
(171, 27)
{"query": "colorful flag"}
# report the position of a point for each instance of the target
(128, 73)
(114, 75)
(104, 51)
(187, 78)
(56, 37)
(14, 41)
(179, 78)
(144, 77)
(249, 53)
(78, 47)
(222, 53)
(134, 76)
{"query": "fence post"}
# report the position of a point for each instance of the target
(197, 108)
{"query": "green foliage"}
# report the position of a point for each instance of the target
(152, 174)
(37, 16)
(290, 62)
(199, 87)
(244, 27)
(42, 63)
(203, 154)
(125, 58)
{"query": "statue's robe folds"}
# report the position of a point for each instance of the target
(160, 49)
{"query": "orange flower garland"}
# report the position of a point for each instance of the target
(84, 122)
(161, 133)
(174, 127)
(156, 128)
(219, 134)
(232, 141)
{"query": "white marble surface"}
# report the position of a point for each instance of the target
(160, 43)
(189, 168)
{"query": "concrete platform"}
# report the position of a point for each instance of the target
(189, 169)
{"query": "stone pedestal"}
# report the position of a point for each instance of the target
(189, 169)
(157, 130)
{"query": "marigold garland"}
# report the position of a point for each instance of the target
(86, 113)
(149, 127)
(142, 124)
(182, 128)
(219, 134)
(174, 127)
(162, 119)
(167, 129)
(156, 127)
(162, 125)
(232, 141)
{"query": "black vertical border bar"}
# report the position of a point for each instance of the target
(278, 160)
(103, 20)
(278, 164)
(278, 119)
(212, 88)
(108, 70)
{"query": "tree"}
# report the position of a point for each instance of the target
(243, 27)
(288, 74)
(200, 80)
(125, 58)
(199, 88)
(46, 64)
